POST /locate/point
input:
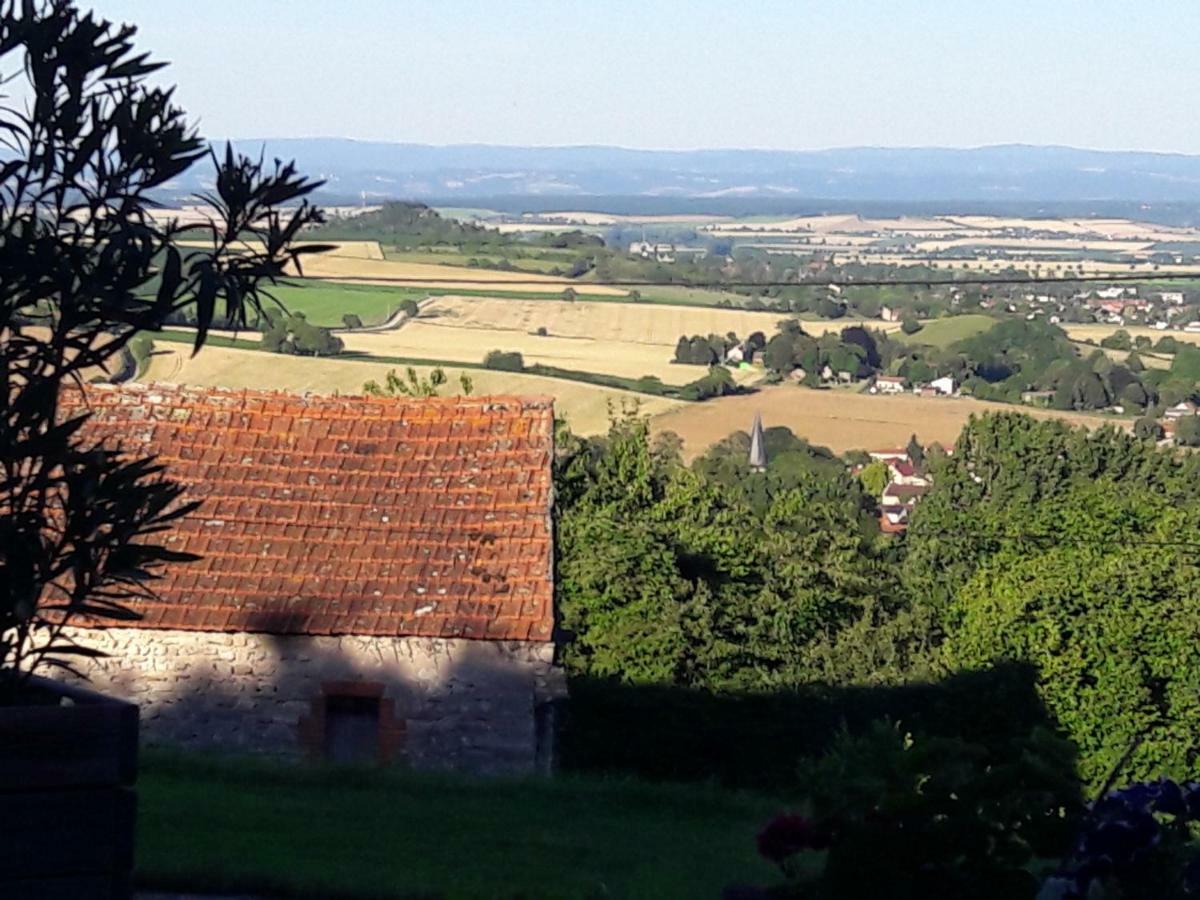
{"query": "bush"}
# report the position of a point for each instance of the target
(504, 361)
(1147, 428)
(410, 308)
(1118, 340)
(1187, 431)
(934, 817)
(542, 332)
(717, 383)
(910, 325)
(351, 320)
(658, 732)
(294, 335)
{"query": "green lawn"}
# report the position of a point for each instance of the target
(211, 825)
(944, 332)
(325, 302)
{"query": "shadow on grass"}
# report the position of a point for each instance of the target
(754, 740)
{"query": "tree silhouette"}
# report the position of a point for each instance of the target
(86, 263)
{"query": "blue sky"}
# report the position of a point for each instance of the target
(790, 74)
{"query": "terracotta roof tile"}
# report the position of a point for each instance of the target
(347, 515)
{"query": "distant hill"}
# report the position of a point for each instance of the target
(1001, 175)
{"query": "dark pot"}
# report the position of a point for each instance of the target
(68, 763)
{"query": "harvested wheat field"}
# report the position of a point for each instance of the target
(341, 249)
(840, 420)
(634, 323)
(456, 343)
(337, 266)
(585, 407)
(1097, 333)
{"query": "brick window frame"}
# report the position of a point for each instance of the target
(392, 729)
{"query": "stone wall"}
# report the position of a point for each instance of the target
(472, 705)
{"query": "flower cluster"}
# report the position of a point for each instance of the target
(1124, 833)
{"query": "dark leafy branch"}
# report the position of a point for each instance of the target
(87, 261)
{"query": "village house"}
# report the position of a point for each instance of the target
(904, 472)
(944, 385)
(1179, 410)
(735, 354)
(889, 384)
(889, 456)
(651, 250)
(375, 580)
(906, 486)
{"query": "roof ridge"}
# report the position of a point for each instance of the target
(528, 401)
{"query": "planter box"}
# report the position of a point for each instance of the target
(66, 795)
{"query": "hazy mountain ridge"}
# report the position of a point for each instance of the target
(1014, 172)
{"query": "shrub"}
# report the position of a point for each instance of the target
(1134, 843)
(934, 817)
(352, 320)
(542, 331)
(294, 335)
(504, 361)
(717, 383)
(409, 308)
(1187, 431)
(1147, 428)
(910, 325)
(1118, 340)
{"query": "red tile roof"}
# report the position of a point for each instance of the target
(895, 489)
(348, 515)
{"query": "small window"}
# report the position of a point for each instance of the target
(352, 729)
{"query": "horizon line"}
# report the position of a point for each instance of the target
(712, 149)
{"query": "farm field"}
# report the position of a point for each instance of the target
(1149, 360)
(1053, 246)
(944, 332)
(585, 407)
(325, 302)
(446, 339)
(524, 263)
(342, 249)
(342, 267)
(1097, 333)
(840, 420)
(626, 322)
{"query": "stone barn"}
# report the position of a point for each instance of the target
(376, 580)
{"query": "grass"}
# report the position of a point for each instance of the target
(325, 302)
(944, 332)
(207, 824)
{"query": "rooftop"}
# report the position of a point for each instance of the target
(348, 515)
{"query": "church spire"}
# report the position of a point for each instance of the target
(758, 446)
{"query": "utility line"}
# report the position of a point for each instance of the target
(417, 281)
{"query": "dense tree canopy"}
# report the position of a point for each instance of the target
(711, 576)
(1068, 551)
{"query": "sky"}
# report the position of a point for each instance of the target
(682, 74)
